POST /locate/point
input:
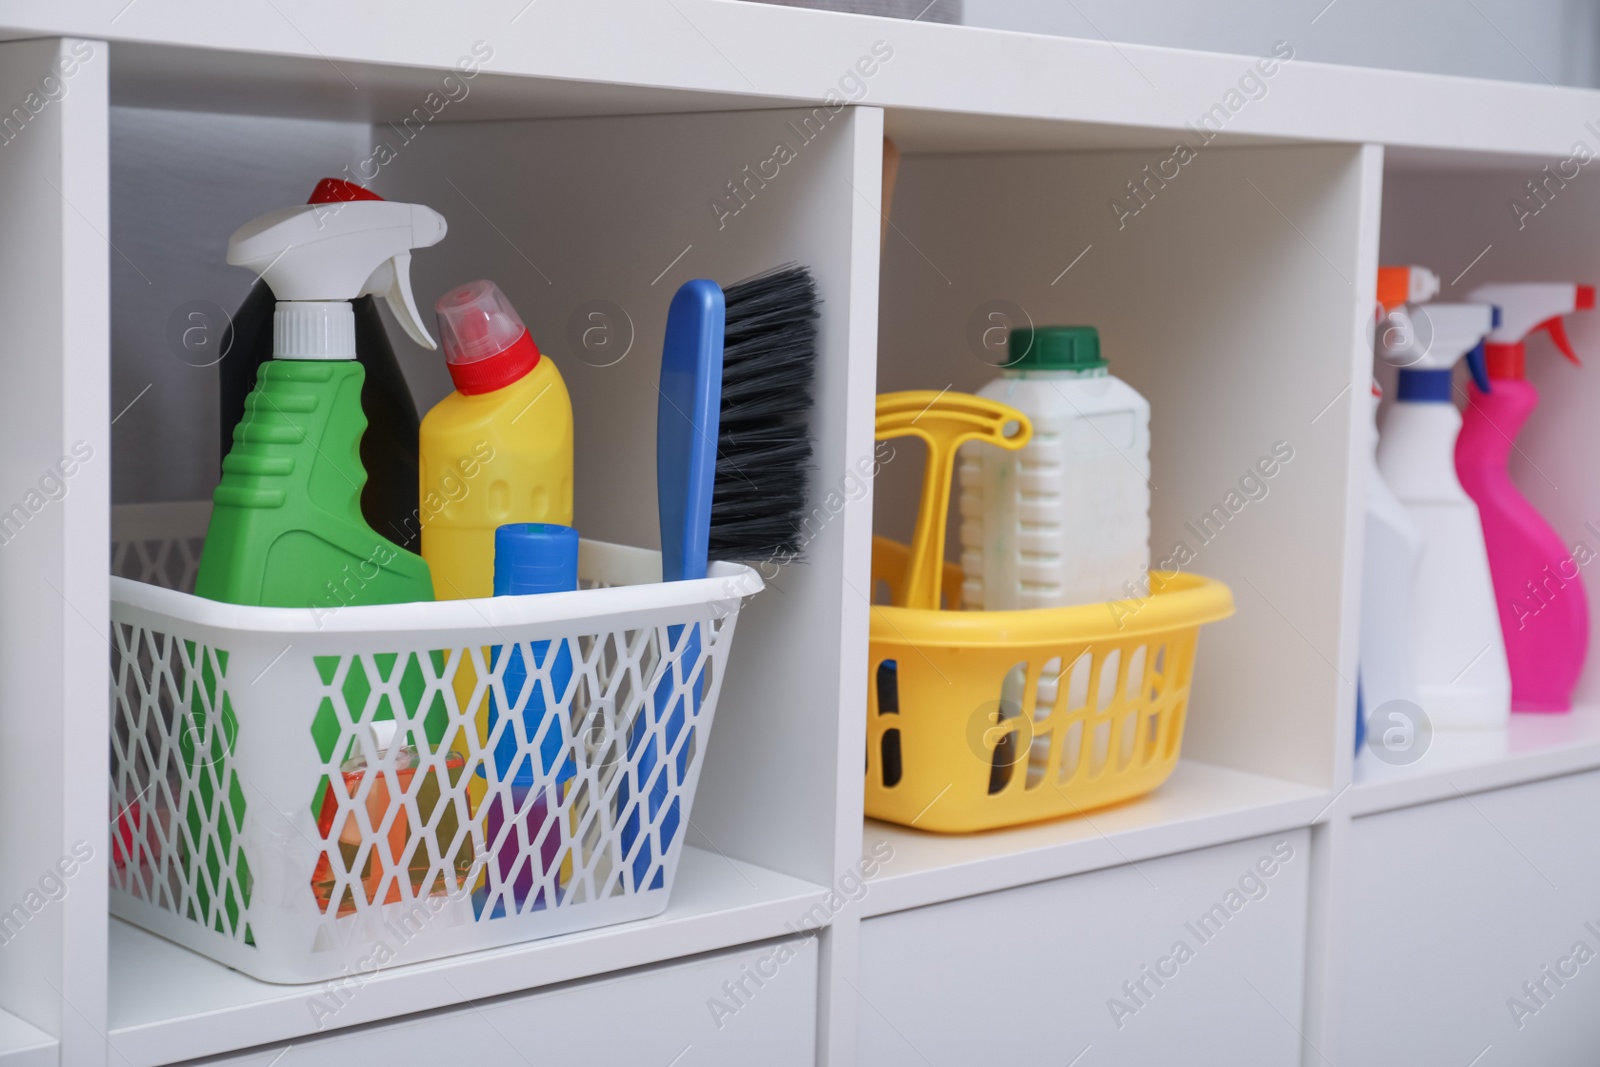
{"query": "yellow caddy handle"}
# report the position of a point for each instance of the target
(945, 421)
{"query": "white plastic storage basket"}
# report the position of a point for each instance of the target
(303, 795)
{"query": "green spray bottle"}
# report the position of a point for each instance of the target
(286, 525)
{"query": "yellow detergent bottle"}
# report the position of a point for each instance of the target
(495, 451)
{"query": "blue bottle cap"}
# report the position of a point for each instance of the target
(535, 557)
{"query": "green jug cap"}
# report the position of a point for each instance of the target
(1054, 348)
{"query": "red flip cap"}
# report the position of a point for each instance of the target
(498, 371)
(486, 346)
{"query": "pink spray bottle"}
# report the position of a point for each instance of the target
(1544, 613)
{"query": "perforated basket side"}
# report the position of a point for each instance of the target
(978, 720)
(159, 544)
(312, 869)
(978, 738)
(177, 803)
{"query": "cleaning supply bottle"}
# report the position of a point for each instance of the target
(1390, 564)
(529, 559)
(1066, 518)
(498, 450)
(1394, 545)
(389, 445)
(381, 800)
(1544, 612)
(1398, 286)
(1460, 660)
(286, 525)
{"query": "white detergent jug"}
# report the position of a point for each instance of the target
(1066, 518)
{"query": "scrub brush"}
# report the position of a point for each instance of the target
(733, 436)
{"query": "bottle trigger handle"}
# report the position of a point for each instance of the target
(1557, 329)
(392, 281)
(1478, 365)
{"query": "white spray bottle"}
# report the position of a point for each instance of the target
(1390, 565)
(1462, 678)
(286, 525)
(1392, 557)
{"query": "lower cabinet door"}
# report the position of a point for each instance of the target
(1472, 932)
(1193, 959)
(754, 1005)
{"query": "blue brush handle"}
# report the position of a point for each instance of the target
(687, 417)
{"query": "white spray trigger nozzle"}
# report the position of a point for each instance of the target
(392, 281)
(324, 252)
(1434, 336)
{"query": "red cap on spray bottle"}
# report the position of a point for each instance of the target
(1525, 309)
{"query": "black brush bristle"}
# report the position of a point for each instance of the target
(769, 359)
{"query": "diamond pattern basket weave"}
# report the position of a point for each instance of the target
(305, 795)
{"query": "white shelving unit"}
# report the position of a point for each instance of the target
(1534, 747)
(1199, 806)
(598, 144)
(22, 1045)
(168, 1002)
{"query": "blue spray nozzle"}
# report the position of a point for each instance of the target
(1476, 364)
(1495, 321)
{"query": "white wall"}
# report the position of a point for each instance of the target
(1516, 40)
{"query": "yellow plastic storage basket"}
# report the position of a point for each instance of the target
(982, 719)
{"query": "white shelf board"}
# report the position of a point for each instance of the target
(167, 1003)
(22, 1045)
(1202, 804)
(947, 88)
(1532, 747)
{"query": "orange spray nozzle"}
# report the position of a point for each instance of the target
(1405, 285)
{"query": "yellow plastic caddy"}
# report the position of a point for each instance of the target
(983, 719)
